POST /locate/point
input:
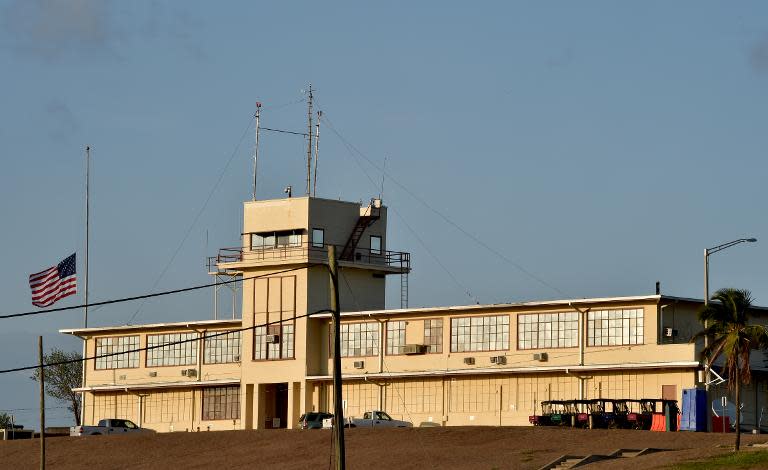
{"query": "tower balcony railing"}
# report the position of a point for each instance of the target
(229, 259)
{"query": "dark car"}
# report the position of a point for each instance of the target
(313, 420)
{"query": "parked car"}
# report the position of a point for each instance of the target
(378, 419)
(108, 426)
(313, 420)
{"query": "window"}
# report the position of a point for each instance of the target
(266, 348)
(318, 237)
(267, 240)
(548, 330)
(360, 339)
(179, 354)
(222, 349)
(221, 403)
(433, 335)
(480, 333)
(395, 337)
(117, 345)
(615, 327)
(375, 245)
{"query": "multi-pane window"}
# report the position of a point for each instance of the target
(615, 327)
(375, 245)
(359, 339)
(221, 403)
(223, 348)
(117, 344)
(273, 342)
(318, 237)
(480, 333)
(433, 335)
(161, 353)
(261, 241)
(395, 337)
(548, 330)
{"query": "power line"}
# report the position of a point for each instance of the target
(197, 217)
(282, 131)
(441, 215)
(148, 348)
(146, 296)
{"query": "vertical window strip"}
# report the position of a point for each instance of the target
(433, 335)
(221, 403)
(395, 337)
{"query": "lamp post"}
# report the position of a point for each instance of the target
(708, 252)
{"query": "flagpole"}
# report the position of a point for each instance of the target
(87, 237)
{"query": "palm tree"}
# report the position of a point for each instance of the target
(726, 323)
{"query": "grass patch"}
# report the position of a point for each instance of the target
(743, 459)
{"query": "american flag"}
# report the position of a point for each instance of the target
(54, 283)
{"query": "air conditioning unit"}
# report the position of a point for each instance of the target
(189, 372)
(541, 357)
(359, 364)
(415, 349)
(670, 333)
(470, 361)
(122, 377)
(153, 374)
(273, 339)
(236, 358)
(499, 360)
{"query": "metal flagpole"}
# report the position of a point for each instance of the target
(256, 148)
(87, 239)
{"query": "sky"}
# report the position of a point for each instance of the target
(526, 150)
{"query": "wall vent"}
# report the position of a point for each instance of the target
(541, 357)
(499, 360)
(153, 374)
(359, 364)
(189, 372)
(470, 361)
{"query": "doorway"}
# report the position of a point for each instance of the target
(275, 405)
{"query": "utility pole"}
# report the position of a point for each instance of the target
(256, 148)
(317, 151)
(309, 146)
(87, 239)
(338, 411)
(42, 402)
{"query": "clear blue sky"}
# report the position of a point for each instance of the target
(599, 145)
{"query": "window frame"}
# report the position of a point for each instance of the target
(380, 249)
(391, 334)
(536, 335)
(114, 358)
(226, 397)
(471, 333)
(438, 346)
(342, 333)
(156, 347)
(228, 352)
(627, 315)
(315, 243)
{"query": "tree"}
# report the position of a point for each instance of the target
(726, 321)
(5, 420)
(63, 376)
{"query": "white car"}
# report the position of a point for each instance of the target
(378, 419)
(108, 426)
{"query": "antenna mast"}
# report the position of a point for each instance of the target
(317, 151)
(309, 146)
(256, 148)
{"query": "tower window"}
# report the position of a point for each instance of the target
(318, 237)
(375, 245)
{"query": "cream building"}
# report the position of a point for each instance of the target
(453, 366)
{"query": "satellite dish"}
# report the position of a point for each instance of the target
(722, 407)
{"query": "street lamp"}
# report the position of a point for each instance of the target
(708, 252)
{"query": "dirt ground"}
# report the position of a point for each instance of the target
(417, 448)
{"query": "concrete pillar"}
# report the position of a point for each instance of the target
(246, 404)
(294, 404)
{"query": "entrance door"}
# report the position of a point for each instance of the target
(275, 399)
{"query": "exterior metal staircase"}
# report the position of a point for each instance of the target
(372, 215)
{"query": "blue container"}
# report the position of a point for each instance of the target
(694, 410)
